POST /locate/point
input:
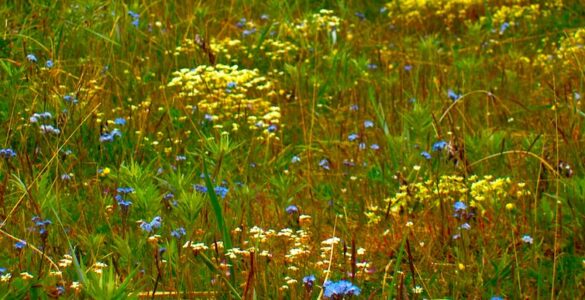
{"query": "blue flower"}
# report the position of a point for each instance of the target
(340, 289)
(60, 290)
(70, 99)
(32, 58)
(221, 191)
(292, 209)
(407, 68)
(2, 270)
(324, 163)
(178, 233)
(125, 190)
(440, 145)
(120, 121)
(374, 147)
(527, 239)
(459, 206)
(248, 32)
(496, 298)
(295, 159)
(200, 188)
(7, 153)
(109, 136)
(503, 27)
(20, 244)
(354, 107)
(231, 85)
(49, 64)
(426, 155)
(352, 137)
(308, 281)
(135, 18)
(360, 15)
(241, 23)
(368, 124)
(124, 203)
(452, 95)
(272, 128)
(150, 226)
(145, 226)
(465, 226)
(372, 66)
(49, 129)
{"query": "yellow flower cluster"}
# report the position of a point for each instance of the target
(516, 13)
(567, 58)
(229, 96)
(451, 189)
(417, 12)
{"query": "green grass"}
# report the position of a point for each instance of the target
(306, 159)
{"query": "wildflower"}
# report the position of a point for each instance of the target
(362, 146)
(407, 68)
(135, 18)
(340, 289)
(576, 96)
(426, 155)
(32, 58)
(292, 209)
(180, 158)
(49, 64)
(452, 95)
(324, 163)
(125, 190)
(308, 281)
(20, 244)
(352, 137)
(41, 224)
(374, 147)
(2, 271)
(360, 15)
(459, 206)
(272, 128)
(149, 226)
(241, 23)
(7, 153)
(60, 290)
(465, 226)
(527, 239)
(109, 136)
(248, 32)
(503, 27)
(354, 107)
(120, 121)
(295, 159)
(221, 191)
(49, 129)
(178, 233)
(368, 124)
(417, 289)
(104, 172)
(264, 17)
(440, 145)
(496, 298)
(161, 250)
(200, 188)
(65, 177)
(5, 277)
(70, 99)
(372, 67)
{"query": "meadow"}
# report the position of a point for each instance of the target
(243, 149)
